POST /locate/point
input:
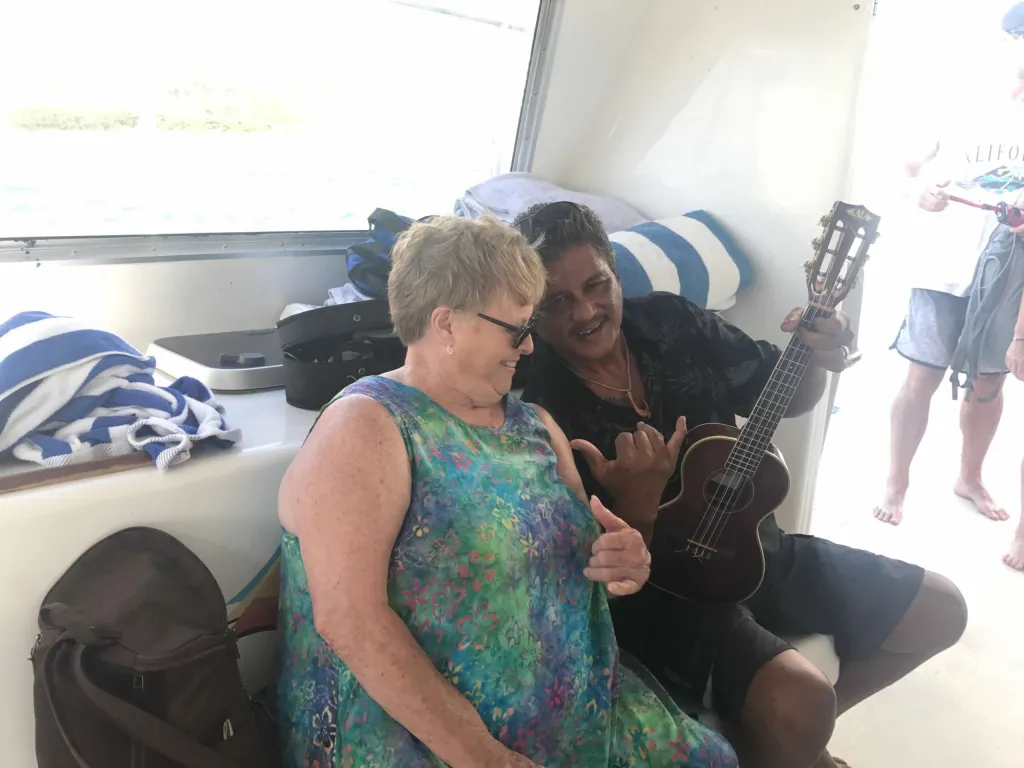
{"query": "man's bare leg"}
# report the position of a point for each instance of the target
(908, 423)
(1015, 557)
(935, 621)
(978, 422)
(790, 709)
(787, 717)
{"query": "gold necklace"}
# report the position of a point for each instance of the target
(643, 411)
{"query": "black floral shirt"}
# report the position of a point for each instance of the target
(693, 363)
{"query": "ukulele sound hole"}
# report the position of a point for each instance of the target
(728, 490)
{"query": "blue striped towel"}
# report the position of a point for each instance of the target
(691, 256)
(70, 394)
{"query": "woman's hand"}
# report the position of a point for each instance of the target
(506, 758)
(620, 557)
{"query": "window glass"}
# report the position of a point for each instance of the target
(200, 116)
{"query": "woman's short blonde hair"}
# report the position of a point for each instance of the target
(464, 264)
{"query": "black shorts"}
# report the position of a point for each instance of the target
(811, 586)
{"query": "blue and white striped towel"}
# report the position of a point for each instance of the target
(71, 394)
(691, 256)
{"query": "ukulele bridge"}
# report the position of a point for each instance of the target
(700, 549)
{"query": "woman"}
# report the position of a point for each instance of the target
(439, 601)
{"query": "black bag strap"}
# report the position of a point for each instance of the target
(144, 727)
(49, 661)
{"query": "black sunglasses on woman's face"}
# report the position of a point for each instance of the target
(518, 332)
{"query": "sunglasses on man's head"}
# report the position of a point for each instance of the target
(546, 218)
(517, 332)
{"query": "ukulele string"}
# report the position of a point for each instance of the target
(709, 531)
(760, 443)
(701, 537)
(724, 494)
(748, 464)
(752, 461)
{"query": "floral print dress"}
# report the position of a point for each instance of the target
(487, 574)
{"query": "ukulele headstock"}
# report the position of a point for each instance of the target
(848, 231)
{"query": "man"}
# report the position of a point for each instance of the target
(619, 376)
(979, 157)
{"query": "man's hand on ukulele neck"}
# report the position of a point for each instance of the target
(829, 339)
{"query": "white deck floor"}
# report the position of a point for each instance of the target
(966, 707)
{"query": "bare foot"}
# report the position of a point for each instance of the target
(1015, 557)
(891, 509)
(975, 491)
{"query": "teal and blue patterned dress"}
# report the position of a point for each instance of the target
(487, 574)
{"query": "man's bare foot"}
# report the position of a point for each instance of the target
(891, 509)
(1015, 557)
(975, 491)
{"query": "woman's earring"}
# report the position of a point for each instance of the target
(449, 350)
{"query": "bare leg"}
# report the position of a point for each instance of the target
(978, 422)
(1015, 557)
(787, 717)
(790, 709)
(934, 622)
(908, 422)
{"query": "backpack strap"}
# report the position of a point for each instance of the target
(49, 661)
(144, 727)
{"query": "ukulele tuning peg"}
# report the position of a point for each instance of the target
(808, 266)
(816, 242)
(875, 238)
(823, 220)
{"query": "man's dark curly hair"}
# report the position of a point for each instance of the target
(553, 228)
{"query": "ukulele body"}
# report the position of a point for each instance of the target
(732, 567)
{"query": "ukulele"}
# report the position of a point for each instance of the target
(705, 544)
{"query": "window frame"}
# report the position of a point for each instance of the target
(132, 249)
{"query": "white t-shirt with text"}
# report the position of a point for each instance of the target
(983, 157)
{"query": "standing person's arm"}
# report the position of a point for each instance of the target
(347, 506)
(930, 193)
(917, 164)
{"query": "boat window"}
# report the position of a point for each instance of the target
(227, 116)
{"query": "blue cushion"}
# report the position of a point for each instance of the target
(690, 255)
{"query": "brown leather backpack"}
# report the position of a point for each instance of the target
(135, 664)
